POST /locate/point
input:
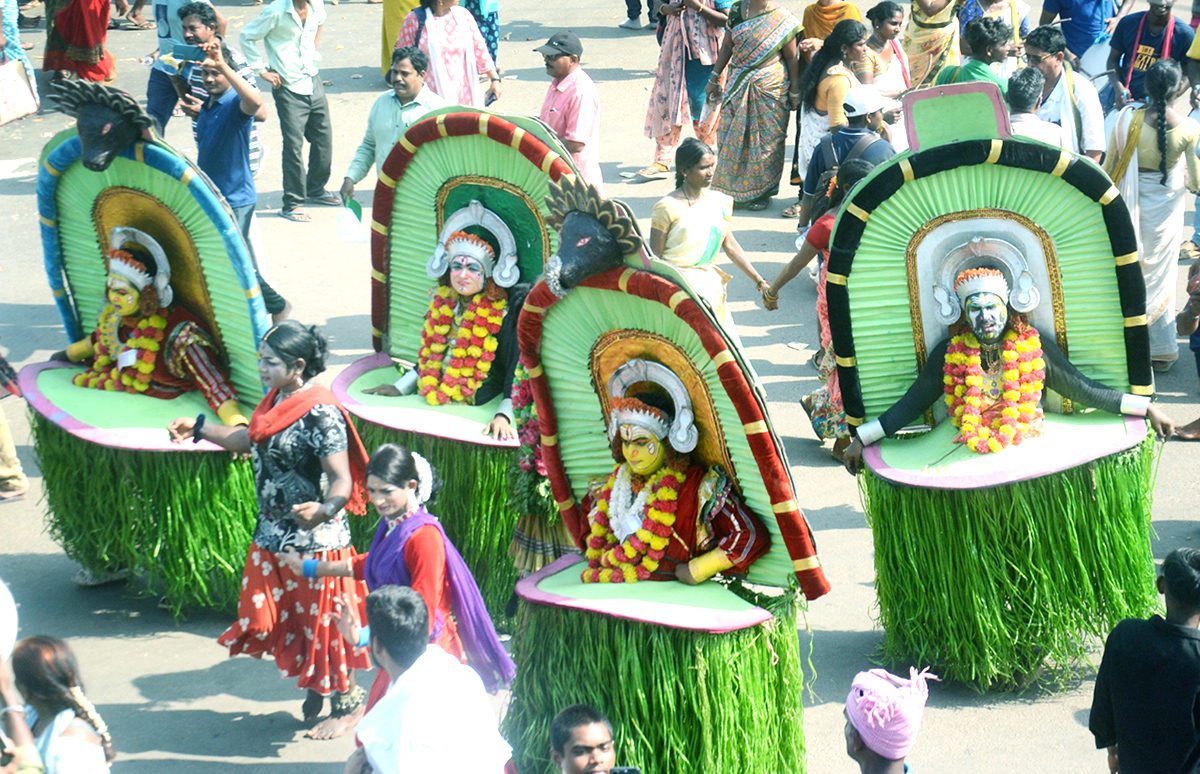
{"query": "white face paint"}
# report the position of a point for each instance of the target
(466, 275)
(988, 317)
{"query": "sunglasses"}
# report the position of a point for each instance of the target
(552, 57)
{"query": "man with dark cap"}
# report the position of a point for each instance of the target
(572, 105)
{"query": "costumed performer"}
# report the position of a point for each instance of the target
(659, 516)
(308, 470)
(70, 735)
(468, 350)
(992, 371)
(690, 225)
(142, 343)
(883, 716)
(411, 548)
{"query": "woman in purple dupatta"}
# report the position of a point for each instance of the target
(410, 548)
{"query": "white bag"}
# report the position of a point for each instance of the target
(16, 95)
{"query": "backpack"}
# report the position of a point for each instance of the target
(821, 200)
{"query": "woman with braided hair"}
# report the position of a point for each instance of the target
(69, 733)
(1149, 147)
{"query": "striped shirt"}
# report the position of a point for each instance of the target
(194, 76)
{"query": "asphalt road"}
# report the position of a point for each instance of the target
(172, 698)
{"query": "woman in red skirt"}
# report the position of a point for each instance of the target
(308, 470)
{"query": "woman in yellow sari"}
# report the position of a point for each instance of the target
(690, 226)
(931, 40)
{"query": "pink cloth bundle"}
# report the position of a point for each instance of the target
(886, 710)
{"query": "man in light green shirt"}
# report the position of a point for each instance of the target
(290, 31)
(393, 112)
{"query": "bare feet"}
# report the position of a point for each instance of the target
(312, 706)
(1189, 432)
(335, 725)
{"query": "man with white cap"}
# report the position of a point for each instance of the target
(572, 105)
(859, 139)
(883, 716)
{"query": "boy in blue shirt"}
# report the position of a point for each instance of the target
(223, 127)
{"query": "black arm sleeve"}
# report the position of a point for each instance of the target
(1065, 379)
(923, 393)
(500, 378)
(1101, 722)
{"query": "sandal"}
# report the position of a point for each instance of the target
(791, 212)
(758, 205)
(327, 199)
(655, 171)
(296, 215)
(143, 24)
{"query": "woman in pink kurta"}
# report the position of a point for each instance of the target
(456, 49)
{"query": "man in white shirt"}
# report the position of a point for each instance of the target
(1068, 98)
(392, 114)
(436, 715)
(291, 33)
(1024, 95)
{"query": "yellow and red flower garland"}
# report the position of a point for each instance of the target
(612, 561)
(1024, 377)
(472, 349)
(146, 337)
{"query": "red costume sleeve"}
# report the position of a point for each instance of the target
(736, 530)
(192, 353)
(425, 556)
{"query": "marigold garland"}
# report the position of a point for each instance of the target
(1023, 377)
(472, 349)
(146, 337)
(635, 558)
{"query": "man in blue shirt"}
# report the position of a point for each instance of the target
(223, 126)
(1141, 40)
(1084, 21)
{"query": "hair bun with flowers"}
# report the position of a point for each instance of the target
(424, 478)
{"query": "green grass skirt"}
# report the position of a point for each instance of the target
(472, 506)
(183, 519)
(988, 585)
(680, 701)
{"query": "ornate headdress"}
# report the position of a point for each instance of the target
(504, 272)
(973, 281)
(681, 432)
(121, 261)
(462, 243)
(595, 234)
(1006, 268)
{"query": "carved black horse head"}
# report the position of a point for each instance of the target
(594, 234)
(108, 120)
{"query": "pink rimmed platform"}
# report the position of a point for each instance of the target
(709, 607)
(410, 412)
(933, 461)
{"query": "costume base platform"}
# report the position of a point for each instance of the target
(694, 678)
(121, 496)
(989, 582)
(473, 504)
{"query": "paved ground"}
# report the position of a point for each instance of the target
(171, 696)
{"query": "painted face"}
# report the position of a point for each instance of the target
(196, 32)
(466, 275)
(701, 175)
(589, 750)
(856, 52)
(406, 81)
(274, 372)
(123, 295)
(643, 452)
(890, 28)
(988, 316)
(390, 500)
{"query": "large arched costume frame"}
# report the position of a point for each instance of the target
(443, 164)
(988, 566)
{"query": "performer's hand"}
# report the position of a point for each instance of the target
(1114, 764)
(853, 455)
(181, 429)
(383, 389)
(684, 574)
(1164, 428)
(500, 428)
(292, 560)
(345, 618)
(347, 190)
(309, 515)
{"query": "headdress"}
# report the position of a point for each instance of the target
(886, 710)
(681, 433)
(1014, 283)
(973, 281)
(122, 262)
(504, 272)
(462, 243)
(594, 234)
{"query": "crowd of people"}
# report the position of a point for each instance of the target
(741, 74)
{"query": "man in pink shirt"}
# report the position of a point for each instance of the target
(572, 106)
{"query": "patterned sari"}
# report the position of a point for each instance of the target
(931, 43)
(754, 111)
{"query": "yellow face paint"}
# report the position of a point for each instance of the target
(644, 452)
(123, 295)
